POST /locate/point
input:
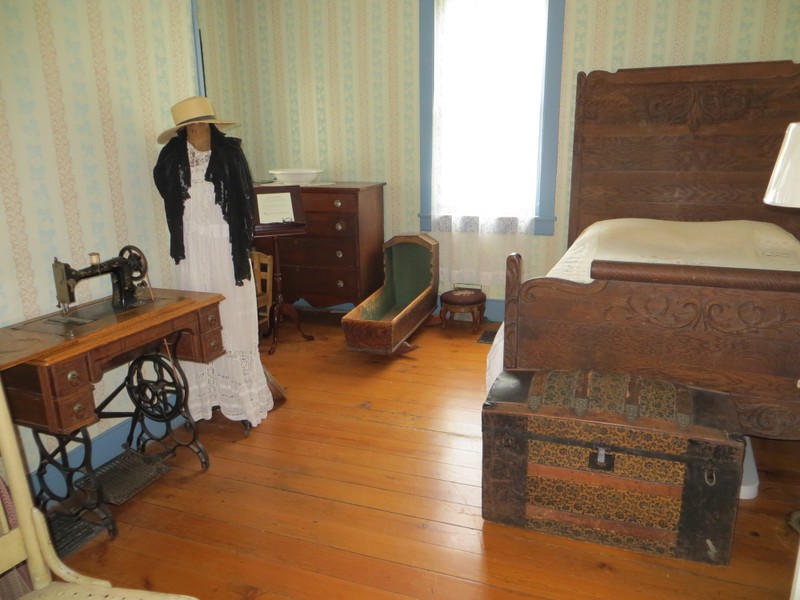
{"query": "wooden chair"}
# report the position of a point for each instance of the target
(25, 540)
(263, 275)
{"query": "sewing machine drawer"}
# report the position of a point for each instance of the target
(68, 376)
(211, 345)
(61, 416)
(201, 348)
(208, 318)
(57, 398)
(52, 381)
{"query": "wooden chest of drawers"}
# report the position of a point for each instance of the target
(340, 258)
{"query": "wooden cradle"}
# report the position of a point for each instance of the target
(382, 323)
(693, 143)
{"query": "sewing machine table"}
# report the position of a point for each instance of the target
(49, 365)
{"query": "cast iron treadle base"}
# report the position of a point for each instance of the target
(70, 533)
(126, 475)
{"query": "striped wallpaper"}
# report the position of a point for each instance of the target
(334, 84)
(86, 85)
(322, 83)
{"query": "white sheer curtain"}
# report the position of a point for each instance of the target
(489, 64)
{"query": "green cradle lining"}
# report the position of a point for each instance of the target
(408, 274)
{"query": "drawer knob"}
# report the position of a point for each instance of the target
(78, 410)
(212, 319)
(214, 344)
(72, 376)
(339, 254)
(339, 226)
(337, 203)
(340, 283)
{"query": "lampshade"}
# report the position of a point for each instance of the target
(784, 185)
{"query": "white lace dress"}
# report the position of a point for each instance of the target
(234, 382)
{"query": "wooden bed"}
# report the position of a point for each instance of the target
(691, 143)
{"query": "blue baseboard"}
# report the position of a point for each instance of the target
(495, 310)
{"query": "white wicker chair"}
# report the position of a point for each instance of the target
(27, 542)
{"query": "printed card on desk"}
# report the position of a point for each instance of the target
(275, 208)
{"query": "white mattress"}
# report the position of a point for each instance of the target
(494, 360)
(740, 244)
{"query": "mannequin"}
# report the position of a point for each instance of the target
(203, 176)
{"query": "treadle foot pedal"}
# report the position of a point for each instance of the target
(126, 475)
(70, 533)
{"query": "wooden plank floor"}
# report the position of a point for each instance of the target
(366, 483)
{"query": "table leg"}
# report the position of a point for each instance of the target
(75, 467)
(157, 387)
(279, 307)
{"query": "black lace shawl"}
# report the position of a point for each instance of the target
(233, 189)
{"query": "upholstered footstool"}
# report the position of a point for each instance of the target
(463, 300)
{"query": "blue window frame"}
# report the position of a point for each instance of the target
(544, 221)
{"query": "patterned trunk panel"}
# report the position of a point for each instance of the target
(648, 476)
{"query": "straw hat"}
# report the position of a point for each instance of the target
(197, 109)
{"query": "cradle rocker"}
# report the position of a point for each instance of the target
(384, 320)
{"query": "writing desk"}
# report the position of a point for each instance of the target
(287, 219)
(50, 364)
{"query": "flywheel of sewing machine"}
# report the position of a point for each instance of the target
(157, 386)
(137, 259)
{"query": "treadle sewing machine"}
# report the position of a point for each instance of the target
(125, 270)
(49, 365)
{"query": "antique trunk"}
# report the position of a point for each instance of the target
(615, 459)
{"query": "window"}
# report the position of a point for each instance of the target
(489, 140)
(492, 106)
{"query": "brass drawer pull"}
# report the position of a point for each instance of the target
(340, 283)
(73, 376)
(212, 319)
(337, 203)
(339, 254)
(78, 410)
(339, 226)
(214, 344)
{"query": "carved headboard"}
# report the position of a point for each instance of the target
(692, 143)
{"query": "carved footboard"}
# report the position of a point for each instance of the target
(743, 342)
